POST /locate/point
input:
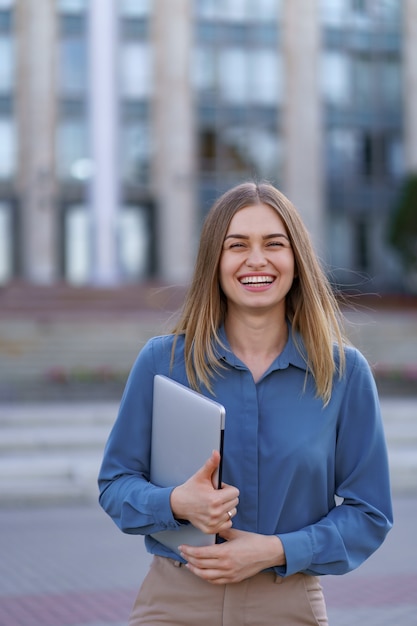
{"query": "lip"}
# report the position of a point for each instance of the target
(261, 286)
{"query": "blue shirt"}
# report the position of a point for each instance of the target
(288, 455)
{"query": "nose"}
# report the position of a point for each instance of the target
(256, 258)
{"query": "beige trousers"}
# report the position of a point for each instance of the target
(170, 594)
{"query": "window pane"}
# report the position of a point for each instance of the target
(136, 74)
(335, 78)
(238, 10)
(255, 151)
(135, 152)
(6, 238)
(77, 245)
(390, 83)
(342, 152)
(265, 74)
(72, 6)
(204, 69)
(7, 148)
(6, 64)
(135, 8)
(334, 12)
(389, 11)
(72, 147)
(73, 66)
(233, 75)
(363, 84)
(264, 9)
(133, 242)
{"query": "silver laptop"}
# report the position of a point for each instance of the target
(186, 428)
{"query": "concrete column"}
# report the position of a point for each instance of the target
(174, 162)
(409, 39)
(302, 125)
(36, 120)
(104, 188)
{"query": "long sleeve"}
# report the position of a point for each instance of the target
(352, 531)
(136, 506)
(288, 455)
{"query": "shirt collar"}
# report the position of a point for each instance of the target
(294, 352)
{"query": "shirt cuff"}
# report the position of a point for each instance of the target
(298, 552)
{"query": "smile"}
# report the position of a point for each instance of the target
(257, 280)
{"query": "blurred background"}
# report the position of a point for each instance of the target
(121, 122)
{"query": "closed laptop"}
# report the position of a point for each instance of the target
(186, 428)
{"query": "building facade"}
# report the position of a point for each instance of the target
(122, 120)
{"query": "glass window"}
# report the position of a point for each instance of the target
(333, 12)
(135, 8)
(233, 80)
(342, 147)
(71, 148)
(389, 11)
(6, 65)
(204, 69)
(390, 83)
(238, 10)
(264, 9)
(265, 71)
(135, 152)
(6, 238)
(73, 66)
(6, 4)
(255, 150)
(77, 244)
(136, 71)
(227, 9)
(7, 148)
(396, 163)
(335, 78)
(133, 242)
(362, 81)
(72, 6)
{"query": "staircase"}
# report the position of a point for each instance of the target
(51, 453)
(64, 357)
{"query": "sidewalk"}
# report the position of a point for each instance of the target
(71, 566)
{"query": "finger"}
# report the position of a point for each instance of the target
(210, 466)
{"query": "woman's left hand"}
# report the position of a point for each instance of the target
(242, 555)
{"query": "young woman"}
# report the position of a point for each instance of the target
(261, 333)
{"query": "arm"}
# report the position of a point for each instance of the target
(351, 532)
(346, 535)
(136, 505)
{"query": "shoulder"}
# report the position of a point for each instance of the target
(158, 351)
(161, 346)
(357, 371)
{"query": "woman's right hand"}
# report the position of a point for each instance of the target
(198, 501)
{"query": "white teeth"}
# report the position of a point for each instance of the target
(256, 280)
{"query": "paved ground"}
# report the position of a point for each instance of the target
(71, 566)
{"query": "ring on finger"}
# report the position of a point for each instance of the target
(230, 514)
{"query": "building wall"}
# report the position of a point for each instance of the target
(120, 134)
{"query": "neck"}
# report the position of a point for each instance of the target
(256, 336)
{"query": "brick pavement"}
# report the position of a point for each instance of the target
(71, 566)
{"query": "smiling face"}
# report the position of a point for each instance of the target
(257, 262)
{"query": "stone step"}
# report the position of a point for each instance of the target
(57, 414)
(52, 452)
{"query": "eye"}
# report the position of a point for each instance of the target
(275, 244)
(236, 244)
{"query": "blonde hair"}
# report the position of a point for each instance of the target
(311, 305)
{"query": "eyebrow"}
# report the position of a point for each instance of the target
(272, 236)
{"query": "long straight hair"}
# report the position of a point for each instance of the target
(311, 305)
